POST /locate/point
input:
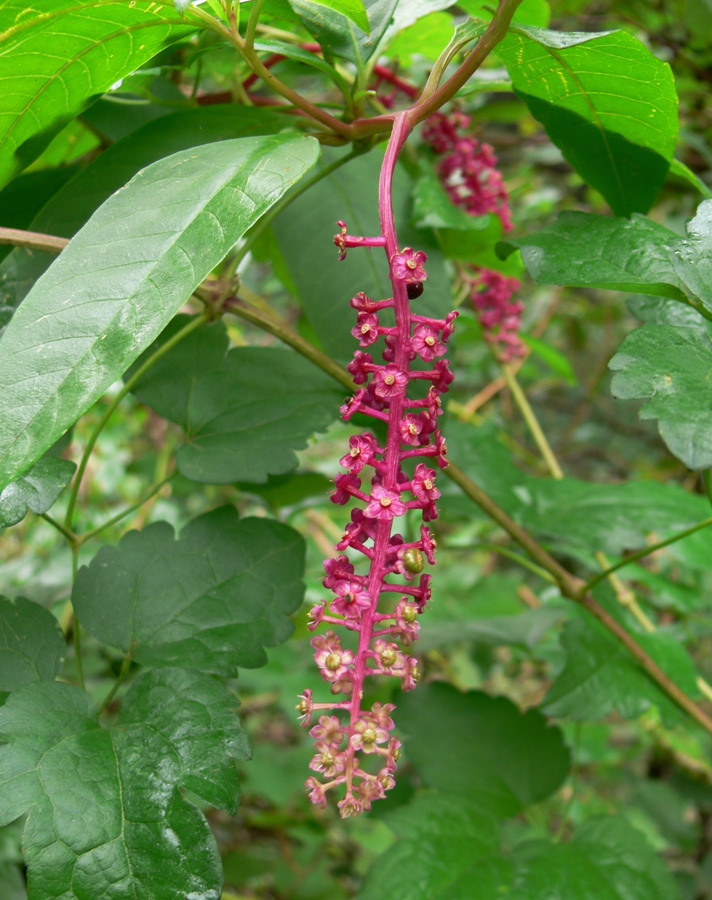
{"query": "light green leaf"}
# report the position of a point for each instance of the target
(524, 630)
(340, 37)
(36, 490)
(211, 600)
(57, 58)
(669, 367)
(124, 277)
(601, 676)
(309, 59)
(529, 12)
(71, 207)
(353, 10)
(482, 748)
(32, 645)
(243, 412)
(634, 255)
(106, 818)
(606, 101)
(679, 169)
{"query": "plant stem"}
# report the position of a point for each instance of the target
(70, 535)
(624, 595)
(123, 673)
(33, 240)
(152, 491)
(77, 628)
(510, 554)
(192, 326)
(532, 423)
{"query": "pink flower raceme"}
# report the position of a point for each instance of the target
(354, 746)
(468, 170)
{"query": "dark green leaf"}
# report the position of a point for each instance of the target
(106, 816)
(670, 367)
(525, 630)
(482, 748)
(211, 600)
(32, 645)
(124, 277)
(554, 358)
(72, 206)
(309, 59)
(601, 676)
(305, 234)
(36, 490)
(340, 37)
(243, 412)
(634, 255)
(448, 850)
(608, 859)
(281, 491)
(100, 42)
(606, 101)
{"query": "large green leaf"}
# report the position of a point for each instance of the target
(124, 276)
(71, 207)
(36, 490)
(448, 850)
(353, 10)
(339, 36)
(635, 255)
(211, 600)
(305, 233)
(606, 101)
(243, 412)
(32, 645)
(608, 859)
(482, 748)
(58, 57)
(106, 816)
(601, 676)
(669, 367)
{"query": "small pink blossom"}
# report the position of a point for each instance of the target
(387, 655)
(407, 620)
(362, 303)
(370, 789)
(407, 266)
(329, 729)
(410, 674)
(351, 601)
(381, 715)
(350, 806)
(360, 366)
(427, 544)
(384, 504)
(352, 406)
(410, 428)
(423, 484)
(345, 486)
(426, 343)
(316, 791)
(442, 376)
(339, 569)
(330, 657)
(329, 760)
(315, 616)
(367, 734)
(362, 450)
(389, 381)
(305, 707)
(366, 330)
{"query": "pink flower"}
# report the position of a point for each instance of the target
(315, 616)
(426, 344)
(410, 428)
(389, 381)
(423, 484)
(367, 734)
(442, 376)
(352, 406)
(305, 707)
(381, 715)
(360, 366)
(345, 487)
(349, 807)
(339, 569)
(361, 453)
(410, 674)
(407, 620)
(370, 789)
(387, 655)
(427, 544)
(366, 330)
(407, 266)
(329, 729)
(351, 601)
(384, 504)
(316, 791)
(362, 303)
(328, 760)
(333, 661)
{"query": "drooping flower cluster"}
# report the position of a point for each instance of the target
(468, 171)
(354, 746)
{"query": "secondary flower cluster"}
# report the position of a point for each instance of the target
(468, 171)
(381, 606)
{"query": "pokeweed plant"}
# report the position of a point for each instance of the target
(171, 175)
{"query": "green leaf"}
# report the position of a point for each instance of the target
(529, 12)
(636, 255)
(482, 748)
(679, 169)
(309, 59)
(524, 630)
(106, 818)
(211, 600)
(606, 101)
(340, 37)
(73, 205)
(554, 358)
(124, 277)
(608, 859)
(36, 490)
(243, 412)
(100, 43)
(601, 676)
(32, 646)
(448, 850)
(305, 233)
(353, 10)
(669, 367)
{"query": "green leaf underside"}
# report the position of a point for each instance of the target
(124, 276)
(106, 817)
(353, 10)
(600, 675)
(340, 37)
(636, 255)
(574, 514)
(211, 600)
(305, 233)
(32, 646)
(482, 748)
(56, 59)
(449, 849)
(244, 412)
(37, 490)
(71, 207)
(606, 101)
(670, 367)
